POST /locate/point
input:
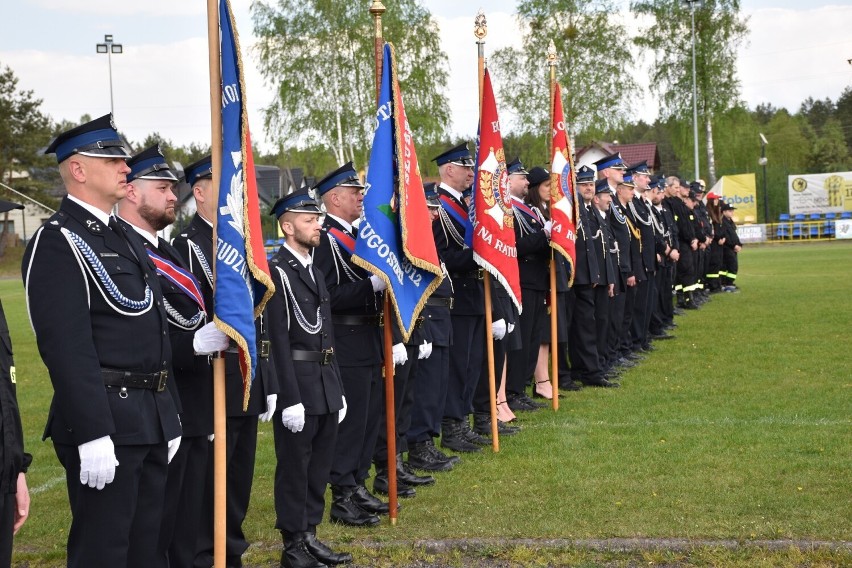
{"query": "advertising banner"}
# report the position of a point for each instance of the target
(820, 193)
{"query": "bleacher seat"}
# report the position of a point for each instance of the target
(828, 226)
(814, 225)
(846, 215)
(783, 229)
(799, 226)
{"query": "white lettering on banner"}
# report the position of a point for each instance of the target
(384, 112)
(232, 258)
(499, 246)
(230, 94)
(374, 241)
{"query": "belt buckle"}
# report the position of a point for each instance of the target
(451, 302)
(480, 274)
(327, 356)
(161, 380)
(264, 348)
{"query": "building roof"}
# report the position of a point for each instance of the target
(630, 153)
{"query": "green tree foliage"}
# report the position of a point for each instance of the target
(843, 113)
(24, 128)
(719, 30)
(597, 90)
(319, 55)
(828, 152)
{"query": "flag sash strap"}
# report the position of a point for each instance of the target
(526, 209)
(343, 239)
(456, 212)
(181, 278)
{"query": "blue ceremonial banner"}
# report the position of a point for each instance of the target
(395, 236)
(242, 282)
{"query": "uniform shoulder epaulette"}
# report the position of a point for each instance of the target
(57, 220)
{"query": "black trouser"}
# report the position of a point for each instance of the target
(482, 395)
(685, 277)
(730, 266)
(302, 469)
(8, 506)
(588, 331)
(465, 364)
(660, 296)
(521, 362)
(641, 312)
(714, 266)
(118, 525)
(620, 316)
(430, 392)
(240, 449)
(403, 396)
(184, 503)
(356, 436)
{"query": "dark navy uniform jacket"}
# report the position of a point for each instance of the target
(13, 460)
(95, 301)
(195, 245)
(587, 267)
(533, 248)
(468, 291)
(302, 302)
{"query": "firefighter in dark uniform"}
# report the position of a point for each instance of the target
(651, 246)
(704, 232)
(355, 307)
(661, 314)
(432, 375)
(195, 244)
(594, 283)
(149, 207)
(14, 495)
(628, 244)
(311, 402)
(455, 167)
(731, 250)
(97, 311)
(676, 193)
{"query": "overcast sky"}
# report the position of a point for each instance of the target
(796, 49)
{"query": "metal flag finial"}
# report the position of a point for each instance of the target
(377, 8)
(552, 57)
(480, 26)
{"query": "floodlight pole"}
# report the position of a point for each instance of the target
(694, 89)
(109, 47)
(762, 161)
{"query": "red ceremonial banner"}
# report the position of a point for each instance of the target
(493, 221)
(563, 209)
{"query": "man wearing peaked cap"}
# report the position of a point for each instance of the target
(195, 245)
(355, 297)
(611, 168)
(90, 287)
(149, 207)
(305, 426)
(585, 174)
(458, 155)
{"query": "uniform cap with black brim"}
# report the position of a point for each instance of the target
(150, 164)
(458, 155)
(97, 138)
(344, 176)
(9, 206)
(201, 169)
(300, 201)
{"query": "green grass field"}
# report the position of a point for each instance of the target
(739, 430)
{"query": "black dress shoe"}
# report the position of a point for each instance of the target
(323, 553)
(453, 459)
(517, 403)
(482, 425)
(569, 385)
(403, 490)
(661, 336)
(452, 437)
(602, 383)
(346, 512)
(471, 436)
(296, 553)
(407, 475)
(420, 456)
(368, 501)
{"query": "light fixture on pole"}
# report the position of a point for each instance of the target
(694, 89)
(762, 162)
(109, 47)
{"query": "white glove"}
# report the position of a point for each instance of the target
(498, 329)
(425, 350)
(378, 283)
(341, 414)
(271, 399)
(510, 327)
(293, 417)
(97, 462)
(400, 355)
(210, 437)
(173, 447)
(547, 225)
(209, 340)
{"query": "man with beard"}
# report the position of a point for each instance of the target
(96, 307)
(312, 402)
(195, 244)
(149, 207)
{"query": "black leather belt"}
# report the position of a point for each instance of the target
(356, 320)
(475, 274)
(128, 379)
(323, 357)
(443, 302)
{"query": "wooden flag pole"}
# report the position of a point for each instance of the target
(480, 30)
(377, 9)
(219, 409)
(554, 304)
